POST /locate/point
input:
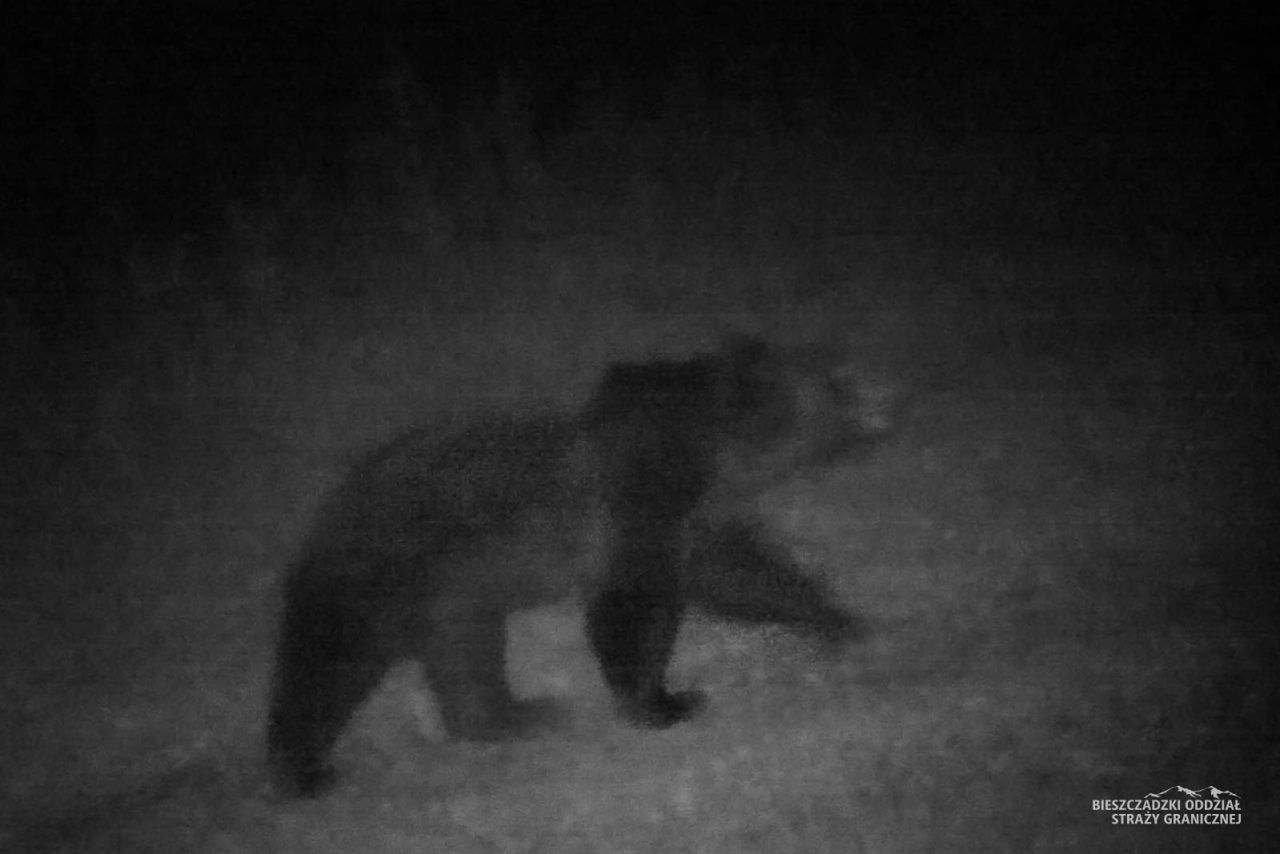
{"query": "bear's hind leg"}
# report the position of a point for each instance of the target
(328, 664)
(465, 663)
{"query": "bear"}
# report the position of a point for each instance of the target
(640, 503)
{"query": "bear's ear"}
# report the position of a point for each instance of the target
(745, 360)
(748, 383)
(743, 352)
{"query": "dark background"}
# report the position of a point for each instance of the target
(136, 122)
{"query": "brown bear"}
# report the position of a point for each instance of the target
(640, 504)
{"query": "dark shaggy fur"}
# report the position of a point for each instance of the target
(640, 504)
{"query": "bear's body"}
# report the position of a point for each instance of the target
(638, 504)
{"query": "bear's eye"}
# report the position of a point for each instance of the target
(873, 402)
(813, 398)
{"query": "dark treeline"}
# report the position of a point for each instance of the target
(155, 115)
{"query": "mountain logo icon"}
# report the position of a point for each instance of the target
(1208, 792)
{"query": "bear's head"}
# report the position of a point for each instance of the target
(783, 412)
